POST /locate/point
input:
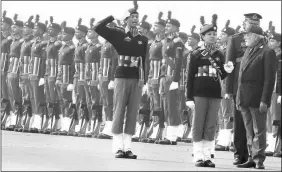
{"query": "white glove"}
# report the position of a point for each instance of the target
(70, 87)
(227, 96)
(228, 67)
(190, 104)
(173, 86)
(279, 100)
(98, 86)
(41, 82)
(111, 85)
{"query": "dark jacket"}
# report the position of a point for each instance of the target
(256, 76)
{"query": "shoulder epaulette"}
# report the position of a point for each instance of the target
(196, 52)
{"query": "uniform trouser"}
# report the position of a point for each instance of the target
(204, 120)
(126, 97)
(144, 112)
(107, 97)
(271, 113)
(14, 91)
(84, 110)
(27, 95)
(93, 102)
(225, 114)
(5, 101)
(171, 103)
(239, 140)
(65, 99)
(52, 96)
(255, 124)
(38, 96)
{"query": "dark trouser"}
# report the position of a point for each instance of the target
(225, 114)
(170, 103)
(205, 118)
(38, 95)
(272, 112)
(144, 112)
(66, 99)
(157, 105)
(93, 102)
(14, 91)
(126, 97)
(240, 139)
(52, 96)
(107, 97)
(84, 110)
(255, 124)
(4, 86)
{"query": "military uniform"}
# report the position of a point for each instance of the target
(172, 52)
(13, 79)
(255, 86)
(203, 87)
(129, 78)
(109, 60)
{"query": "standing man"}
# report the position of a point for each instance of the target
(52, 96)
(255, 86)
(108, 64)
(172, 52)
(6, 40)
(36, 77)
(225, 114)
(79, 60)
(234, 52)
(13, 74)
(129, 77)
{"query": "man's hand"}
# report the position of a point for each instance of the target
(41, 82)
(70, 87)
(263, 108)
(227, 96)
(111, 85)
(228, 67)
(279, 99)
(190, 104)
(173, 86)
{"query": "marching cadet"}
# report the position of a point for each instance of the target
(6, 40)
(79, 78)
(92, 59)
(19, 48)
(275, 43)
(36, 78)
(155, 58)
(172, 52)
(254, 99)
(51, 89)
(234, 52)
(225, 114)
(108, 64)
(129, 77)
(206, 68)
(64, 81)
(193, 42)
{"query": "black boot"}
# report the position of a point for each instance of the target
(130, 155)
(249, 164)
(120, 154)
(200, 163)
(208, 163)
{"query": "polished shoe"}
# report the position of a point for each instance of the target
(178, 139)
(135, 139)
(212, 156)
(145, 140)
(220, 148)
(277, 155)
(248, 164)
(208, 163)
(187, 140)
(268, 153)
(103, 136)
(130, 155)
(151, 140)
(34, 130)
(260, 166)
(20, 129)
(63, 133)
(120, 154)
(231, 148)
(11, 128)
(47, 131)
(238, 161)
(200, 163)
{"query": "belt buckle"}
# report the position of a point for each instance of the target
(204, 53)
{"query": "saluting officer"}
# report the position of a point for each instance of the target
(129, 77)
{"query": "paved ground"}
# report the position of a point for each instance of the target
(32, 152)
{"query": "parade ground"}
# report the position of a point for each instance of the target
(38, 152)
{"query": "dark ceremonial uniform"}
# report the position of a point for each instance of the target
(37, 71)
(255, 85)
(108, 64)
(4, 64)
(92, 64)
(172, 52)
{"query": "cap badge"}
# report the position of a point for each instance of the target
(255, 16)
(217, 59)
(224, 30)
(127, 39)
(140, 42)
(214, 28)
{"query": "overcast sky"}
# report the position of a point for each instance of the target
(187, 12)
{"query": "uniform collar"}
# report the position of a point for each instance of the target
(28, 38)
(53, 39)
(38, 39)
(16, 37)
(172, 35)
(81, 41)
(91, 43)
(134, 31)
(278, 51)
(159, 38)
(5, 34)
(68, 43)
